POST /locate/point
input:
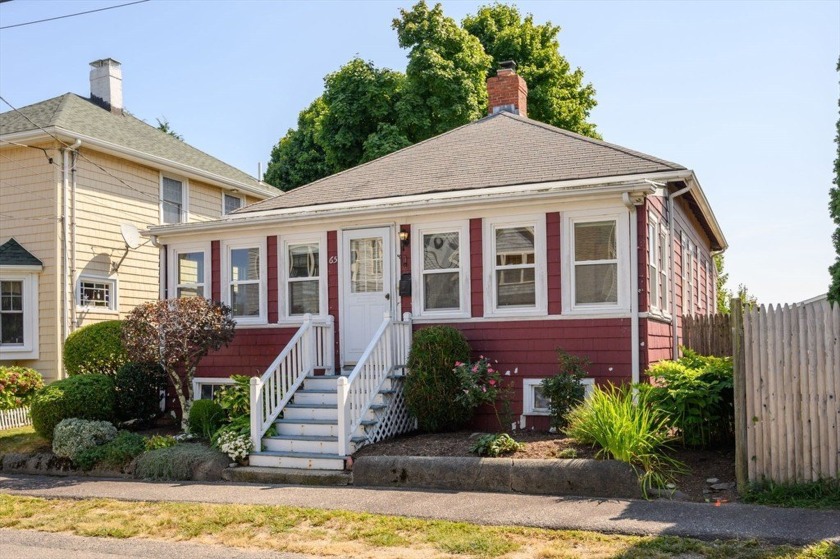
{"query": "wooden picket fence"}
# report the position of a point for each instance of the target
(18, 417)
(708, 334)
(787, 385)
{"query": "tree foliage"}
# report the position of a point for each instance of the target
(834, 210)
(724, 294)
(166, 128)
(367, 112)
(177, 334)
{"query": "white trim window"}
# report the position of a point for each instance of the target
(174, 199)
(442, 284)
(97, 294)
(654, 263)
(231, 202)
(515, 267)
(664, 269)
(596, 261)
(244, 284)
(534, 402)
(18, 315)
(304, 271)
(206, 388)
(189, 271)
(688, 275)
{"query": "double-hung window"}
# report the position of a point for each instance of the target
(664, 268)
(245, 280)
(442, 251)
(653, 263)
(190, 271)
(305, 266)
(230, 203)
(173, 200)
(515, 260)
(688, 275)
(97, 294)
(19, 314)
(11, 312)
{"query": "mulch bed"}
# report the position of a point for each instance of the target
(702, 464)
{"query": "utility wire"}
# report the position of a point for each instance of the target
(72, 15)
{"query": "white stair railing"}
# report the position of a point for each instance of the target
(309, 349)
(387, 351)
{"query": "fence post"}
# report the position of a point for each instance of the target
(739, 387)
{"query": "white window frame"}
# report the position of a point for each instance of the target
(528, 399)
(537, 221)
(653, 263)
(172, 280)
(185, 197)
(113, 306)
(687, 249)
(665, 268)
(299, 239)
(29, 349)
(418, 261)
(231, 195)
(199, 381)
(622, 239)
(249, 242)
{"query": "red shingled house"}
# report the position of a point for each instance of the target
(526, 237)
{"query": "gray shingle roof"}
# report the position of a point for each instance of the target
(499, 150)
(12, 254)
(79, 115)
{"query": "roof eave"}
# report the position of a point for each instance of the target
(708, 214)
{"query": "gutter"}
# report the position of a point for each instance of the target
(68, 302)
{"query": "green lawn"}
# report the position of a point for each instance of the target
(340, 533)
(22, 439)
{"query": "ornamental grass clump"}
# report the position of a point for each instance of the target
(175, 463)
(626, 428)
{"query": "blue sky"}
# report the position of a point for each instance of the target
(744, 93)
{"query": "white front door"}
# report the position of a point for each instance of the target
(367, 287)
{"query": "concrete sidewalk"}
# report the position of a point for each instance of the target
(698, 520)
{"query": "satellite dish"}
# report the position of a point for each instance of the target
(130, 235)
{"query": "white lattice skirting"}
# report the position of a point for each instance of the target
(18, 417)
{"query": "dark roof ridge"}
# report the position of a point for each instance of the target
(594, 141)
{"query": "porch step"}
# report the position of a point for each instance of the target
(316, 397)
(307, 427)
(297, 460)
(321, 444)
(310, 411)
(320, 383)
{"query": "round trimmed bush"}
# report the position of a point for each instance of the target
(18, 386)
(95, 349)
(73, 436)
(138, 387)
(431, 385)
(82, 397)
(206, 416)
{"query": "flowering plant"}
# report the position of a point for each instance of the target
(236, 445)
(17, 386)
(479, 381)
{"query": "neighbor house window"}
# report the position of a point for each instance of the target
(18, 315)
(173, 200)
(443, 288)
(245, 272)
(11, 312)
(517, 264)
(230, 203)
(97, 294)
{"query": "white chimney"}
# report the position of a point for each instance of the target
(106, 84)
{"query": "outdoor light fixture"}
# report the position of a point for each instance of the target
(404, 237)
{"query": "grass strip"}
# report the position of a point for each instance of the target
(341, 533)
(22, 439)
(823, 494)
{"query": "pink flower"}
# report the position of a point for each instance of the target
(490, 370)
(475, 368)
(484, 389)
(491, 382)
(458, 363)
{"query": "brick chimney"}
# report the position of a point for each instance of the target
(106, 84)
(507, 91)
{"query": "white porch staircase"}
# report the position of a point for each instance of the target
(326, 418)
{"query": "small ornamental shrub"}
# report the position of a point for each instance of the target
(160, 441)
(695, 392)
(83, 397)
(235, 400)
(206, 416)
(18, 386)
(496, 445)
(116, 453)
(431, 387)
(175, 463)
(72, 436)
(564, 390)
(138, 387)
(95, 349)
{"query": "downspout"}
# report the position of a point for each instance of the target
(66, 290)
(634, 288)
(675, 353)
(73, 148)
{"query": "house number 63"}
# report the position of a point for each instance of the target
(333, 260)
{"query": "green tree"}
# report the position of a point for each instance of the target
(446, 72)
(165, 127)
(748, 301)
(834, 210)
(556, 92)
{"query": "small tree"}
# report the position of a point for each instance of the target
(177, 334)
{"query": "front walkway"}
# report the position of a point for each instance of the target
(698, 520)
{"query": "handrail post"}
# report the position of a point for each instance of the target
(256, 414)
(329, 346)
(308, 345)
(343, 419)
(389, 346)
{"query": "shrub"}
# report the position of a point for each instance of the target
(116, 453)
(95, 349)
(695, 392)
(632, 432)
(564, 390)
(83, 397)
(233, 443)
(160, 441)
(496, 445)
(18, 386)
(431, 387)
(235, 400)
(175, 463)
(206, 416)
(138, 387)
(72, 436)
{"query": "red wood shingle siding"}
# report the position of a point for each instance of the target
(476, 268)
(250, 353)
(273, 270)
(405, 266)
(216, 271)
(555, 267)
(332, 288)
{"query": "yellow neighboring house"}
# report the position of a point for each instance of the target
(79, 176)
